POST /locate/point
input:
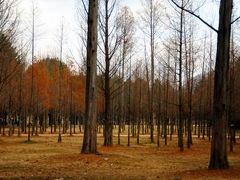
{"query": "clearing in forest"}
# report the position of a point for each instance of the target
(44, 158)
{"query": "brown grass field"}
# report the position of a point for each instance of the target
(44, 158)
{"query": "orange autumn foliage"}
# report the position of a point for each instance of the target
(46, 92)
(46, 82)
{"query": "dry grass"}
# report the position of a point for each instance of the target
(44, 158)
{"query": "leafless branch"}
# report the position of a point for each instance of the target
(197, 16)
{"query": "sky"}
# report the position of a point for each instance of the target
(50, 14)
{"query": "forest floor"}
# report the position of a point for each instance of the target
(44, 158)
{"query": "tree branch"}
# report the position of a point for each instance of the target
(235, 20)
(197, 16)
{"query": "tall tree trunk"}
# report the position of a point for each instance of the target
(218, 159)
(159, 110)
(152, 39)
(190, 78)
(107, 120)
(129, 103)
(166, 123)
(71, 107)
(60, 113)
(90, 128)
(180, 98)
(32, 75)
(122, 88)
(139, 111)
(231, 93)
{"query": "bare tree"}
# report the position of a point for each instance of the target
(151, 19)
(31, 108)
(60, 76)
(110, 43)
(218, 158)
(125, 23)
(180, 30)
(190, 54)
(9, 20)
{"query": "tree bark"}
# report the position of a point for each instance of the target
(218, 159)
(90, 128)
(180, 98)
(107, 121)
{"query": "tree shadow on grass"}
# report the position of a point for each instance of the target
(29, 142)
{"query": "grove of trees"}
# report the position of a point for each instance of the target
(152, 73)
